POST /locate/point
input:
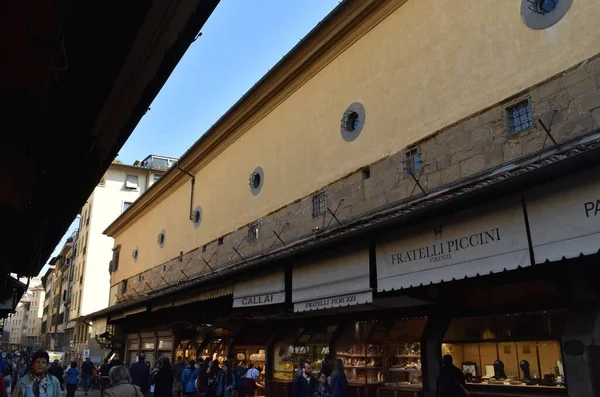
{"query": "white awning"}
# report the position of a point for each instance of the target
(564, 217)
(205, 296)
(334, 282)
(268, 289)
(487, 239)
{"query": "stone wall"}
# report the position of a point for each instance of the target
(569, 104)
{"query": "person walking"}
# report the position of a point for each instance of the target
(121, 386)
(178, 368)
(226, 382)
(5, 372)
(212, 374)
(140, 374)
(104, 378)
(72, 379)
(87, 371)
(188, 379)
(163, 379)
(239, 372)
(38, 382)
(56, 371)
(451, 381)
(250, 379)
(323, 387)
(202, 381)
(304, 385)
(339, 382)
(3, 392)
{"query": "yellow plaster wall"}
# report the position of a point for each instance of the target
(425, 66)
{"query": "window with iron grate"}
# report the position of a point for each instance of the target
(123, 286)
(253, 232)
(413, 160)
(319, 204)
(519, 117)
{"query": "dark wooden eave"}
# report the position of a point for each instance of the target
(75, 79)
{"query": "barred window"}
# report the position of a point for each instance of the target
(123, 286)
(519, 117)
(319, 204)
(413, 160)
(253, 232)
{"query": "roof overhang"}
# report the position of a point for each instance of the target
(76, 79)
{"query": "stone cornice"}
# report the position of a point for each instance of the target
(339, 30)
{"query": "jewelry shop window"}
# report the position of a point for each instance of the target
(520, 349)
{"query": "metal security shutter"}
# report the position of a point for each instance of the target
(132, 357)
(150, 357)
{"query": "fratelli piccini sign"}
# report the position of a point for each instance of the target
(478, 241)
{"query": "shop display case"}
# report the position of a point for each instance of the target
(361, 354)
(310, 344)
(214, 350)
(518, 350)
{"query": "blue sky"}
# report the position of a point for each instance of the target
(240, 42)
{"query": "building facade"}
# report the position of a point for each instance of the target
(410, 181)
(75, 283)
(25, 324)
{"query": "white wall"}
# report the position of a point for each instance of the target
(106, 205)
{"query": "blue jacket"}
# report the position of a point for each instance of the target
(188, 379)
(4, 369)
(222, 387)
(140, 376)
(72, 376)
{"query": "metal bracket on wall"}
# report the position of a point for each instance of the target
(333, 214)
(134, 290)
(417, 181)
(237, 252)
(278, 235)
(548, 128)
(151, 289)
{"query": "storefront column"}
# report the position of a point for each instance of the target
(431, 350)
(582, 330)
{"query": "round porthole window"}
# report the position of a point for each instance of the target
(256, 180)
(541, 14)
(161, 239)
(197, 216)
(353, 121)
(135, 254)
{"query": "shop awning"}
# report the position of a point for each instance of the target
(268, 289)
(202, 296)
(337, 281)
(483, 240)
(564, 217)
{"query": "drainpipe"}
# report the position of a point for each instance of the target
(192, 192)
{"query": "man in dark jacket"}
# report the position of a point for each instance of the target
(178, 368)
(57, 371)
(304, 385)
(87, 372)
(451, 382)
(140, 374)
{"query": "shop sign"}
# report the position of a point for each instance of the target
(259, 300)
(564, 217)
(335, 281)
(261, 290)
(475, 242)
(335, 301)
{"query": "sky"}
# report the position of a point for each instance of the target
(240, 42)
